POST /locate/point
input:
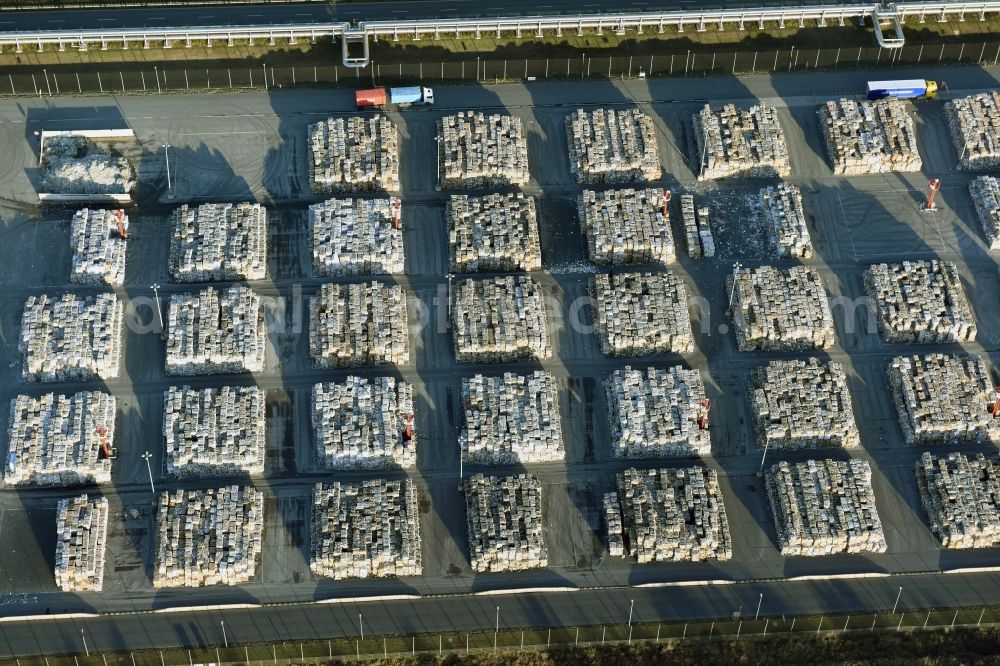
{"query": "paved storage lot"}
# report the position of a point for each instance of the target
(235, 147)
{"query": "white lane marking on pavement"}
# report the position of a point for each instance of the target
(222, 133)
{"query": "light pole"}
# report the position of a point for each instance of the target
(170, 185)
(361, 623)
(736, 274)
(497, 631)
(898, 595)
(631, 607)
(156, 73)
(85, 648)
(156, 295)
(146, 456)
(225, 641)
(759, 602)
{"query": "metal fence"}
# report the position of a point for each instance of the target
(157, 79)
(506, 640)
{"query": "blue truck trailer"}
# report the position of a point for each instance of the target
(903, 89)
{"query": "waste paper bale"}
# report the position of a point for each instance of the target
(353, 154)
(920, 302)
(802, 404)
(641, 314)
(98, 247)
(504, 517)
(513, 419)
(479, 151)
(60, 440)
(369, 529)
(213, 331)
(356, 237)
(499, 320)
(71, 338)
(785, 221)
(974, 122)
(740, 142)
(493, 233)
(353, 325)
(778, 309)
(824, 507)
(208, 537)
(869, 136)
(961, 496)
(944, 398)
(364, 423)
(81, 542)
(985, 191)
(612, 146)
(627, 226)
(214, 431)
(219, 242)
(671, 515)
(656, 413)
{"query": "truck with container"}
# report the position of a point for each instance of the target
(903, 89)
(379, 97)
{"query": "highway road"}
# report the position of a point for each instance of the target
(316, 12)
(470, 613)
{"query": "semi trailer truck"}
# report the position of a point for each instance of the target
(378, 97)
(903, 89)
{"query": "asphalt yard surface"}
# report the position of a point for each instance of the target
(231, 147)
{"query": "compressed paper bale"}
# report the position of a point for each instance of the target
(219, 242)
(640, 314)
(920, 302)
(690, 221)
(613, 521)
(77, 165)
(499, 320)
(356, 237)
(504, 517)
(627, 226)
(496, 232)
(961, 496)
(655, 413)
(364, 423)
(869, 136)
(802, 404)
(985, 191)
(98, 247)
(740, 142)
(612, 146)
(72, 338)
(780, 310)
(480, 151)
(785, 221)
(673, 515)
(56, 440)
(822, 507)
(369, 529)
(354, 154)
(81, 539)
(214, 431)
(944, 399)
(705, 236)
(512, 419)
(358, 324)
(208, 537)
(974, 122)
(212, 331)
